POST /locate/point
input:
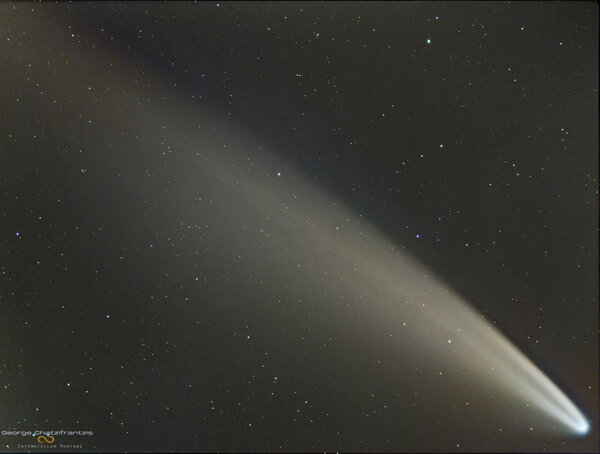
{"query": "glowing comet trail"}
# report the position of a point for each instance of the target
(347, 259)
(271, 222)
(358, 260)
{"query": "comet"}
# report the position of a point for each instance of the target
(265, 206)
(315, 228)
(444, 325)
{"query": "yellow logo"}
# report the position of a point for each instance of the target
(43, 439)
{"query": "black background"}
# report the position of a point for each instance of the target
(354, 97)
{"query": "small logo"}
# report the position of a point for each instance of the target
(43, 439)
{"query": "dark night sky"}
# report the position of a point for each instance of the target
(164, 169)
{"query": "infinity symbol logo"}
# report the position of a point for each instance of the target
(42, 439)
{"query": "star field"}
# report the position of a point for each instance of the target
(211, 212)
